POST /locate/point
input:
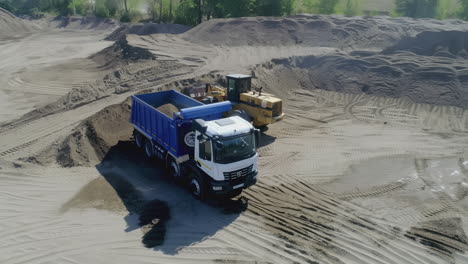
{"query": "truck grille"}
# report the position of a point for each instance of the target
(238, 176)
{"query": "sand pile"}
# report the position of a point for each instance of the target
(168, 109)
(12, 26)
(314, 30)
(92, 139)
(146, 29)
(449, 44)
(422, 79)
(122, 50)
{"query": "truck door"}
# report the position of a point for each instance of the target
(204, 156)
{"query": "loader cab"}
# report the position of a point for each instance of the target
(237, 84)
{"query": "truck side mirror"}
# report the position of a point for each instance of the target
(257, 138)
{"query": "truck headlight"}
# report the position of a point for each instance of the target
(217, 188)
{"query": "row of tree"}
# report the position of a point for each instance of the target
(192, 12)
(431, 9)
(184, 11)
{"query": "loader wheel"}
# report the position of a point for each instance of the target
(197, 186)
(263, 128)
(149, 149)
(138, 139)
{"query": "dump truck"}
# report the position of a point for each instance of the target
(211, 154)
(253, 105)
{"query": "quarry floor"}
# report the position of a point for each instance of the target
(344, 178)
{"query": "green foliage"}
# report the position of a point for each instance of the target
(326, 6)
(130, 16)
(31, 7)
(82, 7)
(238, 8)
(288, 6)
(191, 12)
(417, 8)
(307, 6)
(446, 9)
(100, 9)
(215, 8)
(113, 7)
(7, 6)
(125, 17)
(153, 9)
(351, 8)
(186, 13)
(463, 12)
(268, 7)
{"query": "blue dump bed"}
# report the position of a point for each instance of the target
(170, 132)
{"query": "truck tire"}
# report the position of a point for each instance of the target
(197, 186)
(149, 149)
(242, 114)
(174, 169)
(139, 139)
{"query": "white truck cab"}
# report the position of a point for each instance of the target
(226, 152)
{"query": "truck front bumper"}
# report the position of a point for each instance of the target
(225, 187)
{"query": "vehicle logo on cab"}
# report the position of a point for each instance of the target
(189, 139)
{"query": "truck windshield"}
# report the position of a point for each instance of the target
(234, 149)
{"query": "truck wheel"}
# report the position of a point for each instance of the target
(242, 114)
(138, 139)
(197, 186)
(174, 169)
(149, 149)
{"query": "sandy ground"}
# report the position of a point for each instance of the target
(44, 66)
(347, 177)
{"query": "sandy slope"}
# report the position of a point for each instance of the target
(347, 177)
(44, 65)
(12, 27)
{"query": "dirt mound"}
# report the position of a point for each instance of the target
(314, 30)
(92, 139)
(449, 44)
(12, 26)
(122, 50)
(422, 79)
(146, 29)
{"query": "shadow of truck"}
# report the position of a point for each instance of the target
(169, 217)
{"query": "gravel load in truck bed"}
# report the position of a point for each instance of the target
(168, 109)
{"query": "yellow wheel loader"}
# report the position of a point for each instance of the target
(254, 105)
